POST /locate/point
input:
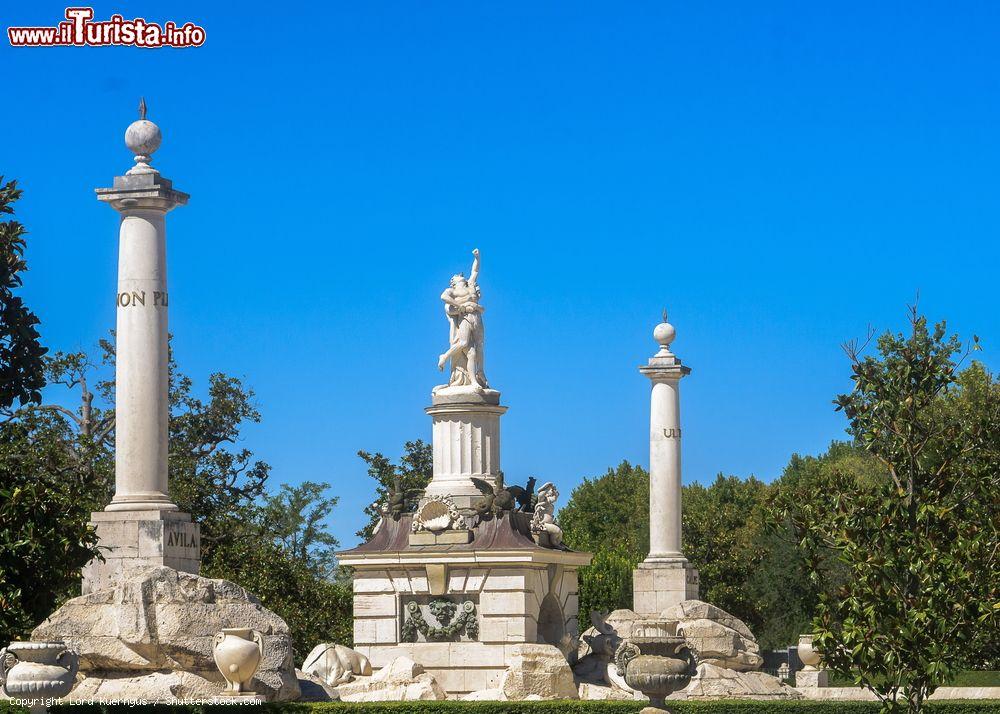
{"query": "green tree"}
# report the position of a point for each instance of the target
(606, 584)
(920, 546)
(609, 517)
(297, 516)
(21, 367)
(613, 508)
(783, 587)
(43, 524)
(721, 532)
(414, 471)
(282, 553)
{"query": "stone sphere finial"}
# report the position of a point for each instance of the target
(664, 333)
(142, 138)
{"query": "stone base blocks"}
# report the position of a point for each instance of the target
(657, 586)
(133, 541)
(532, 601)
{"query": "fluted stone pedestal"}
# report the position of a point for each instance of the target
(466, 439)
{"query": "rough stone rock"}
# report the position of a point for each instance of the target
(156, 629)
(400, 668)
(711, 682)
(538, 671)
(714, 636)
(595, 692)
(484, 695)
(314, 689)
(336, 664)
(400, 680)
(699, 610)
(149, 686)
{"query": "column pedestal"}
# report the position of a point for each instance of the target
(466, 442)
(812, 678)
(131, 541)
(659, 585)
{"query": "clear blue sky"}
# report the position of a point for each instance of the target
(779, 175)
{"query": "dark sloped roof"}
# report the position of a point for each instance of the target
(509, 532)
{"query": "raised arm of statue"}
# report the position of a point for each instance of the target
(474, 275)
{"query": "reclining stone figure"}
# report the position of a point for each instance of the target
(336, 664)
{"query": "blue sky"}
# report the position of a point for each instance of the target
(778, 175)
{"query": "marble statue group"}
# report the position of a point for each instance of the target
(466, 590)
(466, 334)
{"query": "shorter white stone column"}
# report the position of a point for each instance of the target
(665, 577)
(466, 443)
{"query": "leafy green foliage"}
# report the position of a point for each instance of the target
(784, 587)
(414, 471)
(613, 508)
(21, 353)
(721, 528)
(919, 547)
(43, 528)
(43, 523)
(617, 536)
(606, 584)
(297, 517)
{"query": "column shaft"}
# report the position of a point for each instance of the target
(665, 470)
(141, 408)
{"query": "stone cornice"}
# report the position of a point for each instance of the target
(467, 557)
(142, 192)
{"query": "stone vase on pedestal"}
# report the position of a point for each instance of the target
(812, 675)
(807, 653)
(237, 652)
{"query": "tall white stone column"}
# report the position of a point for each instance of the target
(142, 526)
(664, 578)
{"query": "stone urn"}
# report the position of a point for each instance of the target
(38, 670)
(237, 652)
(654, 661)
(808, 655)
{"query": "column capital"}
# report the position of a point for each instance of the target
(142, 191)
(664, 369)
